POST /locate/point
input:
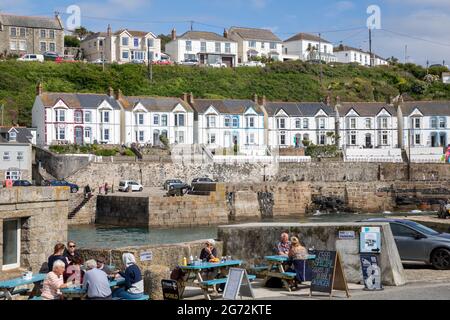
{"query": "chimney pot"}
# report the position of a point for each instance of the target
(118, 94)
(110, 91)
(39, 89)
(174, 34)
(255, 98)
(225, 33)
(191, 98)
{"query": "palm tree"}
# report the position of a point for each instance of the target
(81, 32)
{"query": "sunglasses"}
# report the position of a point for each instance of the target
(72, 246)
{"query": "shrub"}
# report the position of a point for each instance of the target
(328, 151)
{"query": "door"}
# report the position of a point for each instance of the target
(78, 135)
(228, 61)
(298, 141)
(409, 247)
(443, 140)
(368, 141)
(156, 140)
(11, 244)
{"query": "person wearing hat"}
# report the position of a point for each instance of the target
(209, 252)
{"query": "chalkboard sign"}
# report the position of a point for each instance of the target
(371, 272)
(170, 290)
(328, 274)
(238, 284)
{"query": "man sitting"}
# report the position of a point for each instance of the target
(284, 245)
(96, 282)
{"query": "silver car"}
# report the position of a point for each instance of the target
(416, 242)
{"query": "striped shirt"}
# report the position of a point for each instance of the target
(52, 283)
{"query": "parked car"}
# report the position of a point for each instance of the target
(178, 189)
(163, 62)
(189, 62)
(202, 180)
(217, 65)
(52, 56)
(22, 183)
(416, 242)
(32, 57)
(167, 183)
(99, 61)
(62, 183)
(124, 186)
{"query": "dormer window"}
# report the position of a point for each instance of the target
(250, 122)
(12, 136)
(125, 41)
(368, 123)
(60, 115)
(281, 123)
(417, 123)
(136, 42)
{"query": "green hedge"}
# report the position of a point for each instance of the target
(328, 151)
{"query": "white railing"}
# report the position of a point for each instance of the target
(373, 155)
(426, 154)
(260, 159)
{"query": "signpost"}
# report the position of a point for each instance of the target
(238, 284)
(371, 272)
(170, 290)
(146, 256)
(328, 274)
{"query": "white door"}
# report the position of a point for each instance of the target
(11, 244)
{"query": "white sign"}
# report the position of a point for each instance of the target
(146, 256)
(347, 235)
(370, 240)
(238, 284)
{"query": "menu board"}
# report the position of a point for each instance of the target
(170, 290)
(323, 271)
(237, 284)
(371, 271)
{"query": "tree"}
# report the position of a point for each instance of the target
(71, 41)
(392, 60)
(165, 38)
(81, 32)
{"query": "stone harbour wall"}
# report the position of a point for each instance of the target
(81, 210)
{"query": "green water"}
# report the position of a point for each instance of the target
(105, 237)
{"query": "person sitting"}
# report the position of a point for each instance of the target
(298, 255)
(87, 192)
(134, 284)
(70, 253)
(209, 252)
(73, 272)
(284, 245)
(54, 282)
(96, 282)
(102, 266)
(58, 254)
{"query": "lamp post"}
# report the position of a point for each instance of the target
(149, 62)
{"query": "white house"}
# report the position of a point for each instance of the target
(77, 118)
(426, 123)
(446, 77)
(206, 47)
(304, 46)
(346, 54)
(291, 124)
(367, 125)
(149, 118)
(226, 123)
(15, 153)
(123, 46)
(256, 43)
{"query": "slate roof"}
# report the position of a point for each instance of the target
(156, 104)
(255, 34)
(203, 35)
(95, 36)
(366, 109)
(23, 135)
(226, 106)
(134, 33)
(307, 37)
(298, 109)
(78, 100)
(428, 108)
(30, 22)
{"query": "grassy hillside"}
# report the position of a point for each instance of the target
(294, 81)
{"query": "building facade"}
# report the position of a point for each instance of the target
(206, 47)
(15, 153)
(346, 54)
(21, 35)
(254, 43)
(305, 47)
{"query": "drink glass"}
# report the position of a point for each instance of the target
(229, 258)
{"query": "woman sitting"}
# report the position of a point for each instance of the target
(54, 282)
(73, 272)
(58, 254)
(298, 254)
(134, 284)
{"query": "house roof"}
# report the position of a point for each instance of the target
(298, 109)
(78, 100)
(23, 135)
(343, 48)
(366, 109)
(134, 33)
(203, 35)
(428, 108)
(226, 106)
(30, 22)
(156, 104)
(255, 34)
(95, 35)
(306, 36)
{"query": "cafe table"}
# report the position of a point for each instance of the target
(193, 275)
(79, 293)
(8, 287)
(276, 269)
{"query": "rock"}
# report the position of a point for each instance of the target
(152, 281)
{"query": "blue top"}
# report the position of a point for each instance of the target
(209, 265)
(12, 283)
(133, 279)
(286, 258)
(112, 283)
(97, 284)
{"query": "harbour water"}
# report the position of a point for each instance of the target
(107, 237)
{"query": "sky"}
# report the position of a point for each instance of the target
(411, 30)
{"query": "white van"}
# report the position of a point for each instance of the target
(32, 57)
(133, 185)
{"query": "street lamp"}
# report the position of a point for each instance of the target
(149, 62)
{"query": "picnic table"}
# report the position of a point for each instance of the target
(8, 287)
(79, 293)
(276, 269)
(194, 278)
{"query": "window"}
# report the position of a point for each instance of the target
(263, 45)
(78, 116)
(12, 136)
(283, 138)
(87, 116)
(383, 137)
(252, 44)
(100, 43)
(298, 123)
(60, 115)
(13, 32)
(43, 46)
(87, 133)
(273, 46)
(250, 122)
(211, 138)
(125, 55)
(218, 49)
(179, 120)
(227, 47)
(281, 123)
(352, 123)
(20, 156)
(322, 139)
(402, 231)
(235, 122)
(22, 45)
(417, 139)
(105, 134)
(325, 49)
(434, 123)
(189, 57)
(227, 122)
(141, 136)
(51, 34)
(11, 236)
(139, 118)
(61, 134)
(106, 117)
(125, 41)
(188, 45)
(156, 120)
(52, 46)
(43, 33)
(12, 175)
(211, 121)
(368, 123)
(136, 42)
(305, 123)
(417, 123)
(164, 120)
(383, 123)
(13, 45)
(23, 32)
(151, 43)
(442, 122)
(321, 123)
(251, 138)
(6, 156)
(203, 47)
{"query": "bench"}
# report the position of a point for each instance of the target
(36, 298)
(289, 275)
(214, 282)
(20, 291)
(142, 298)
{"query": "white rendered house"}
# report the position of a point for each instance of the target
(346, 54)
(305, 47)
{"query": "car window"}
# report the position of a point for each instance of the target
(402, 231)
(423, 228)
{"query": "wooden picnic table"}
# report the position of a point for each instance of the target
(8, 287)
(194, 278)
(276, 269)
(80, 293)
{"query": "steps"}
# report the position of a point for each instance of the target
(74, 212)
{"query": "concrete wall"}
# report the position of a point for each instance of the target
(43, 216)
(251, 242)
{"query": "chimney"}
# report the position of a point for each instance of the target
(338, 100)
(262, 101)
(118, 94)
(255, 98)
(225, 33)
(109, 31)
(110, 91)
(184, 97)
(174, 34)
(328, 100)
(39, 89)
(191, 98)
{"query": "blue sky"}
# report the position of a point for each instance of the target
(422, 25)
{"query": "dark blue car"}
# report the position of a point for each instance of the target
(61, 183)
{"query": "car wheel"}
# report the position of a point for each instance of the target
(440, 259)
(140, 189)
(74, 190)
